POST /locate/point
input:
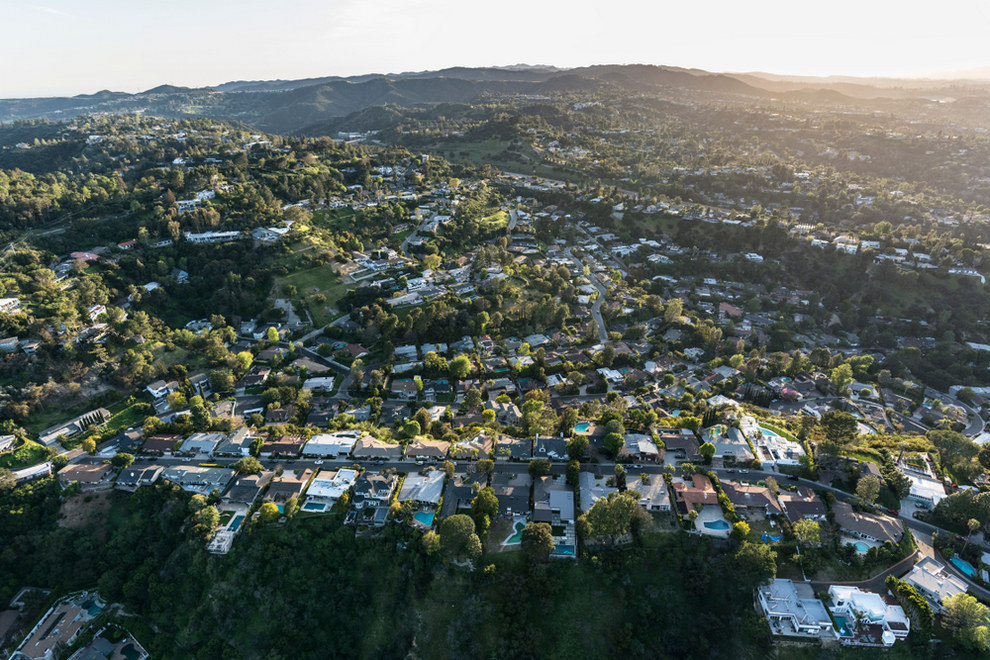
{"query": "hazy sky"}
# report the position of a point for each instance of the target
(63, 47)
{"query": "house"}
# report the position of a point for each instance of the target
(355, 351)
(319, 384)
(368, 447)
(640, 447)
(694, 495)
(882, 529)
(731, 445)
(89, 477)
(748, 496)
(478, 446)
(161, 444)
(202, 443)
(683, 445)
(803, 503)
(8, 344)
(373, 490)
(7, 442)
(653, 493)
(553, 501)
(512, 491)
(934, 582)
(237, 444)
(245, 489)
(132, 478)
(158, 389)
(198, 479)
(869, 619)
(792, 609)
(593, 488)
(423, 489)
(328, 486)
(287, 485)
(505, 413)
(515, 449)
(255, 377)
(332, 445)
(32, 472)
(286, 446)
(552, 448)
(97, 417)
(403, 388)
(427, 450)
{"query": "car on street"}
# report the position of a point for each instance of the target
(792, 477)
(318, 461)
(636, 466)
(743, 471)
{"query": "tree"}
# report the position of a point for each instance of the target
(707, 451)
(611, 517)
(673, 309)
(577, 446)
(122, 460)
(537, 541)
(807, 532)
(89, 446)
(248, 465)
(472, 400)
(613, 443)
(488, 417)
(868, 488)
(485, 465)
(573, 472)
(740, 531)
(222, 380)
(458, 539)
(7, 480)
(539, 467)
(448, 469)
(756, 561)
(484, 508)
(271, 335)
(841, 377)
(460, 367)
(291, 507)
(972, 525)
(268, 513)
(840, 427)
(966, 619)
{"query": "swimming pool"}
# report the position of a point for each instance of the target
(516, 537)
(768, 433)
(718, 524)
(860, 546)
(582, 427)
(963, 566)
(842, 626)
(565, 550)
(313, 506)
(424, 518)
(235, 524)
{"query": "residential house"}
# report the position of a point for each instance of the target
(89, 477)
(132, 478)
(477, 446)
(803, 503)
(653, 493)
(202, 443)
(287, 485)
(368, 447)
(513, 449)
(933, 582)
(420, 449)
(682, 445)
(550, 447)
(197, 479)
(694, 495)
(640, 447)
(245, 489)
(423, 489)
(505, 413)
(287, 446)
(97, 417)
(404, 388)
(332, 445)
(792, 609)
(870, 620)
(882, 529)
(373, 490)
(748, 496)
(593, 488)
(512, 491)
(237, 444)
(161, 444)
(328, 486)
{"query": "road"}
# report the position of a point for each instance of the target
(596, 307)
(513, 219)
(405, 243)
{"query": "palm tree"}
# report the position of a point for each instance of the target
(972, 525)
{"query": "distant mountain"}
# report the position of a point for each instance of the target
(289, 106)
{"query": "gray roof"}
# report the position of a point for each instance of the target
(426, 489)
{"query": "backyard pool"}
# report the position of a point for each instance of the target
(235, 524)
(963, 566)
(842, 626)
(582, 427)
(767, 433)
(718, 524)
(565, 550)
(516, 535)
(423, 518)
(860, 547)
(313, 506)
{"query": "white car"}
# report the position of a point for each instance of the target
(318, 462)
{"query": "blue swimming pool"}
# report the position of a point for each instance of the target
(565, 550)
(963, 566)
(718, 524)
(860, 546)
(424, 518)
(842, 626)
(312, 506)
(235, 524)
(582, 427)
(768, 433)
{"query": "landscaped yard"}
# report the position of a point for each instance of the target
(315, 281)
(30, 453)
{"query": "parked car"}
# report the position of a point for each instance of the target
(743, 471)
(918, 515)
(792, 477)
(318, 461)
(892, 512)
(636, 466)
(730, 471)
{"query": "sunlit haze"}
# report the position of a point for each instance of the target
(65, 47)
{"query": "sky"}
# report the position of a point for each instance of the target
(67, 47)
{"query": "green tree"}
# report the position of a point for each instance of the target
(89, 446)
(248, 465)
(756, 563)
(486, 466)
(841, 377)
(613, 443)
(868, 488)
(611, 517)
(460, 367)
(291, 507)
(271, 335)
(122, 460)
(573, 472)
(707, 451)
(539, 467)
(222, 380)
(840, 427)
(472, 400)
(807, 532)
(740, 531)
(269, 513)
(967, 619)
(7, 480)
(458, 539)
(537, 541)
(484, 508)
(577, 447)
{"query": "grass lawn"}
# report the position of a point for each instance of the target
(124, 419)
(30, 453)
(318, 280)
